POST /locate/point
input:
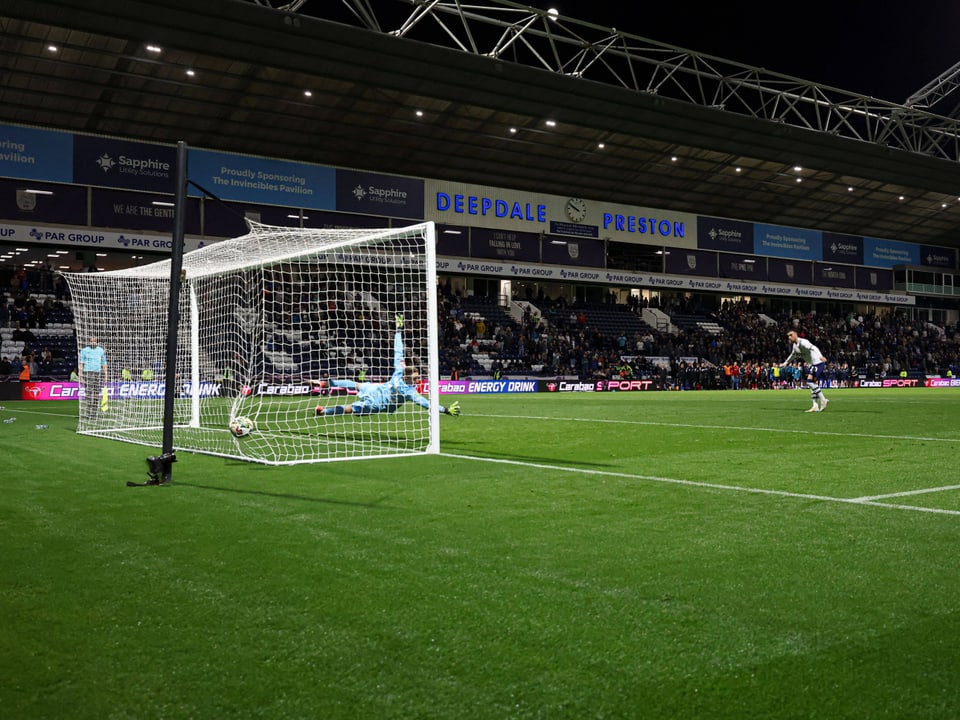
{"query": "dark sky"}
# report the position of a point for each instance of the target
(878, 49)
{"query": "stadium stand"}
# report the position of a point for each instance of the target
(479, 336)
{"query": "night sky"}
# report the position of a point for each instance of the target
(882, 50)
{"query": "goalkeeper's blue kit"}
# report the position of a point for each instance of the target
(386, 396)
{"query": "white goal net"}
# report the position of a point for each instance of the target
(274, 327)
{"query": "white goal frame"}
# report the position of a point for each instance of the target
(263, 317)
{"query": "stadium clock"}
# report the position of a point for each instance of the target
(576, 209)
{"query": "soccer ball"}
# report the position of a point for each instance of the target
(241, 426)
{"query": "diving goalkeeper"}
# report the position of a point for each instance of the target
(386, 396)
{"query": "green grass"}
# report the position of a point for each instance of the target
(661, 555)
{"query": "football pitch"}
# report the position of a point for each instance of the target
(716, 555)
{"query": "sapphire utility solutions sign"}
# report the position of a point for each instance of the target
(839, 248)
(724, 235)
(384, 195)
(123, 164)
(938, 257)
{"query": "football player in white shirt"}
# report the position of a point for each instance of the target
(813, 359)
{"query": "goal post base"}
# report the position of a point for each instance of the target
(158, 470)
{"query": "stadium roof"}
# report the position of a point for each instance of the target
(678, 131)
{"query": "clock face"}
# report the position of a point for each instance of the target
(576, 209)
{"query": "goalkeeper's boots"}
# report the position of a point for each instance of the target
(399, 321)
(454, 409)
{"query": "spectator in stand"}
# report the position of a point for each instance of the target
(734, 376)
(866, 345)
(5, 367)
(59, 286)
(767, 379)
(46, 277)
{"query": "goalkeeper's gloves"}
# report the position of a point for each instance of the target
(399, 321)
(454, 409)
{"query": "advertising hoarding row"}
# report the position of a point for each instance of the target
(505, 224)
(734, 236)
(119, 391)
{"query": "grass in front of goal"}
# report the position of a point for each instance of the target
(661, 555)
(288, 430)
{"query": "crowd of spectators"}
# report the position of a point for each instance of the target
(561, 341)
(555, 338)
(875, 345)
(23, 309)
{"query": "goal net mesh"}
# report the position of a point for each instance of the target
(260, 317)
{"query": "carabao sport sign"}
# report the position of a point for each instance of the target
(943, 382)
(115, 390)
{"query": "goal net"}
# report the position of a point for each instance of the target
(267, 322)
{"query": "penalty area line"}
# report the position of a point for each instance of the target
(710, 486)
(906, 493)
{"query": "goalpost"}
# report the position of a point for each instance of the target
(260, 317)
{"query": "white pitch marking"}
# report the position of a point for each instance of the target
(726, 427)
(22, 411)
(905, 493)
(711, 486)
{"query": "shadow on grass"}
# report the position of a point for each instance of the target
(452, 447)
(282, 496)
